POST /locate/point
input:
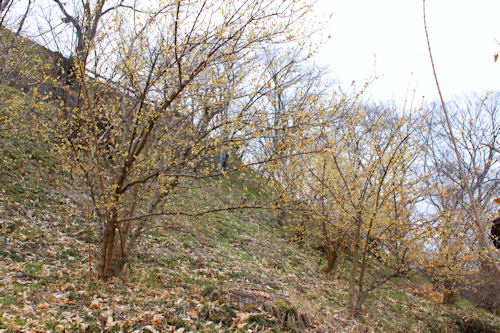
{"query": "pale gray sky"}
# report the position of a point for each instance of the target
(386, 38)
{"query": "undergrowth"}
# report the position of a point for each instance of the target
(232, 271)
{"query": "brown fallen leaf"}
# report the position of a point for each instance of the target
(192, 314)
(150, 328)
(42, 306)
(110, 322)
(157, 319)
(95, 305)
(244, 316)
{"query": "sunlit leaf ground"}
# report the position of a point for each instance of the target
(232, 271)
(235, 271)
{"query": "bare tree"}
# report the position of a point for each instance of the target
(478, 221)
(11, 27)
(474, 121)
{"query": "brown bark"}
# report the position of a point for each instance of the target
(354, 269)
(362, 293)
(359, 304)
(331, 258)
(111, 257)
(122, 243)
(106, 250)
(449, 295)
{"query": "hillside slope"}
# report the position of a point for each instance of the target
(231, 271)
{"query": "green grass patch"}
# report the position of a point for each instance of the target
(33, 270)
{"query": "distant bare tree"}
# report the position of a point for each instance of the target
(475, 122)
(476, 125)
(11, 26)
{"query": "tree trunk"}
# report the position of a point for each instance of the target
(359, 304)
(113, 250)
(361, 292)
(107, 250)
(449, 295)
(331, 258)
(354, 269)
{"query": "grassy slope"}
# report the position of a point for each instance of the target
(228, 271)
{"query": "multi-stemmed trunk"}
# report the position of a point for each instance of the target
(112, 254)
(353, 307)
(449, 294)
(117, 245)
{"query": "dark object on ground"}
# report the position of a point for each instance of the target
(495, 232)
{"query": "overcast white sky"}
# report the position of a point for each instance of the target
(386, 38)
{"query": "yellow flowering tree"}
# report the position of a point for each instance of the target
(158, 91)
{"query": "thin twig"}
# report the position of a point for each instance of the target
(210, 211)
